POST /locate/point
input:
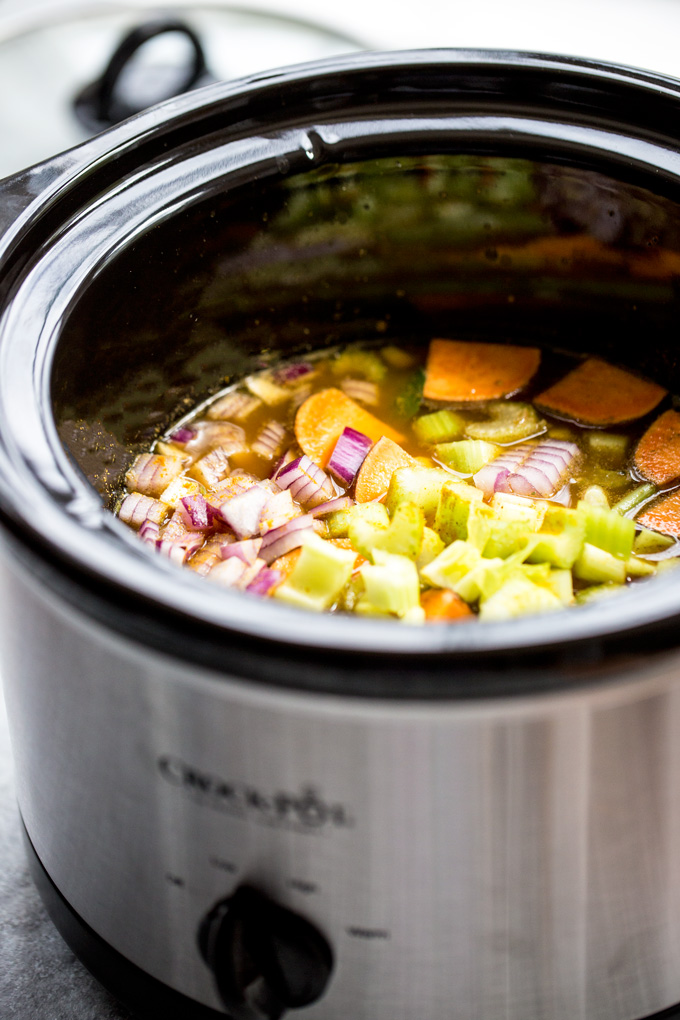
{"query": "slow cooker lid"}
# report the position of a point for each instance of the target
(50, 56)
(84, 543)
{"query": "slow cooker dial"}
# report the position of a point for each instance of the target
(266, 959)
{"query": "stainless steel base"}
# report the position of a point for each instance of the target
(514, 858)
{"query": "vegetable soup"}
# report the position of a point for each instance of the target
(466, 481)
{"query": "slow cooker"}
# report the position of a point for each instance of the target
(237, 808)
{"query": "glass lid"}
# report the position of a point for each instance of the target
(52, 59)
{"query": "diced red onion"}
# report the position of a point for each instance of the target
(247, 550)
(182, 435)
(266, 579)
(288, 374)
(544, 470)
(137, 508)
(308, 484)
(493, 476)
(278, 509)
(197, 513)
(284, 459)
(212, 468)
(151, 473)
(281, 540)
(150, 532)
(269, 440)
(362, 390)
(348, 455)
(233, 405)
(228, 572)
(179, 552)
(339, 503)
(242, 512)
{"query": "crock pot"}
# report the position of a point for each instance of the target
(234, 807)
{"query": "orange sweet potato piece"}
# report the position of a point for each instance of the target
(458, 371)
(663, 515)
(443, 606)
(380, 463)
(657, 456)
(597, 393)
(322, 418)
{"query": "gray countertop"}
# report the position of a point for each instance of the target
(40, 978)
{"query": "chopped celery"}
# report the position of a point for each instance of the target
(419, 485)
(479, 522)
(431, 547)
(409, 400)
(519, 508)
(392, 588)
(635, 567)
(634, 498)
(560, 539)
(608, 530)
(560, 583)
(517, 597)
(598, 566)
(509, 422)
(453, 563)
(319, 575)
(649, 542)
(455, 499)
(402, 536)
(351, 593)
(505, 538)
(609, 447)
(439, 427)
(596, 496)
(262, 386)
(466, 456)
(358, 363)
(396, 357)
(596, 592)
(482, 580)
(338, 524)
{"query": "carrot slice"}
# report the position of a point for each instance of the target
(664, 515)
(657, 456)
(380, 463)
(460, 371)
(322, 418)
(597, 393)
(443, 606)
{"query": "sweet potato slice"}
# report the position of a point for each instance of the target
(458, 371)
(597, 393)
(321, 419)
(444, 606)
(657, 455)
(375, 474)
(663, 515)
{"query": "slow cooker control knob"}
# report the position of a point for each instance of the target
(265, 958)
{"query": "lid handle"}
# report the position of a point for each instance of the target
(102, 103)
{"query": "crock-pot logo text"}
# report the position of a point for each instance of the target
(305, 811)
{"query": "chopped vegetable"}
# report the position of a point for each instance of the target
(411, 397)
(308, 484)
(319, 575)
(597, 393)
(509, 422)
(439, 427)
(348, 455)
(323, 417)
(467, 456)
(608, 530)
(444, 606)
(635, 498)
(461, 372)
(657, 455)
(375, 473)
(362, 390)
(391, 588)
(663, 515)
(355, 362)
(152, 473)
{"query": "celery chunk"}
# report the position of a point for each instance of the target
(419, 485)
(597, 565)
(455, 500)
(321, 572)
(648, 542)
(431, 547)
(560, 540)
(467, 456)
(518, 597)
(451, 565)
(402, 536)
(392, 588)
(439, 427)
(607, 529)
(509, 422)
(510, 507)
